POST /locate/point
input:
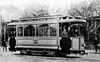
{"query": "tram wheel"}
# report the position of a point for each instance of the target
(57, 54)
(60, 54)
(82, 53)
(51, 53)
(22, 52)
(28, 53)
(44, 52)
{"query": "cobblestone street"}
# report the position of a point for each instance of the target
(16, 57)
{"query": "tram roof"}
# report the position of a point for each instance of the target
(49, 21)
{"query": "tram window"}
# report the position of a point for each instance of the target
(29, 31)
(74, 31)
(20, 31)
(46, 31)
(40, 31)
(53, 30)
(43, 30)
(63, 26)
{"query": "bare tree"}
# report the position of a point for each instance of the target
(84, 10)
(90, 11)
(40, 12)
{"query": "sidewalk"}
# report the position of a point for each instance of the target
(92, 52)
(92, 55)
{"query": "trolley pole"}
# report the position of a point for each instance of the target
(1, 28)
(4, 31)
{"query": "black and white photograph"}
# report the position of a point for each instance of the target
(49, 30)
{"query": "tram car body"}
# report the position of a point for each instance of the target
(45, 36)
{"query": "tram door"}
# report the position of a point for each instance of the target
(76, 37)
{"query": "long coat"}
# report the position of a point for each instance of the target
(12, 43)
(4, 42)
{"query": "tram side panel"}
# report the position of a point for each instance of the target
(77, 45)
(36, 43)
(41, 43)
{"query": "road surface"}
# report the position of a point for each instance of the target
(16, 57)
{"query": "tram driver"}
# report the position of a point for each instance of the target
(65, 33)
(65, 42)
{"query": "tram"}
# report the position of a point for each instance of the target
(44, 35)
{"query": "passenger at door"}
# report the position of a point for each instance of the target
(65, 42)
(12, 43)
(65, 33)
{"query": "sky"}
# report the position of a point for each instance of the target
(14, 9)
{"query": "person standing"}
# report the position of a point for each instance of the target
(4, 43)
(65, 42)
(65, 33)
(12, 42)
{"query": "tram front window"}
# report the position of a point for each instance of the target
(74, 31)
(77, 30)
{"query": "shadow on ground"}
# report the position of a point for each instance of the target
(34, 54)
(95, 52)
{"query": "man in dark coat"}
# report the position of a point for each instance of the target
(65, 42)
(4, 43)
(12, 43)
